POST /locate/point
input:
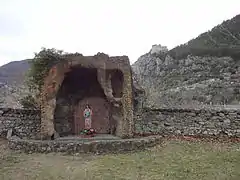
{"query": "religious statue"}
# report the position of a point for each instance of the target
(87, 114)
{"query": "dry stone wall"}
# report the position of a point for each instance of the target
(192, 122)
(23, 123)
(26, 124)
(78, 146)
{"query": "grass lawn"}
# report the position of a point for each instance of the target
(174, 159)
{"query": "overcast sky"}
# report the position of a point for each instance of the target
(115, 27)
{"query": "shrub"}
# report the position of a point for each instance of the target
(29, 102)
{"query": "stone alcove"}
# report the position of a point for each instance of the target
(103, 82)
(80, 87)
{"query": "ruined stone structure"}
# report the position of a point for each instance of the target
(103, 82)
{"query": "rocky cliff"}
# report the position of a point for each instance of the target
(204, 71)
(190, 81)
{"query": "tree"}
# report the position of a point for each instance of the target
(39, 67)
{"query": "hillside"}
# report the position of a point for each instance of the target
(12, 83)
(204, 71)
(13, 72)
(222, 40)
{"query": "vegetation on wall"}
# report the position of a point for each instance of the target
(39, 67)
(222, 40)
(29, 102)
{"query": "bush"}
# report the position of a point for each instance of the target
(29, 102)
(40, 65)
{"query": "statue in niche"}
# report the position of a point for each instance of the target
(87, 114)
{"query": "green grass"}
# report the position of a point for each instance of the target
(174, 159)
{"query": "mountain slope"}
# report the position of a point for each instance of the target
(13, 72)
(12, 86)
(204, 71)
(222, 40)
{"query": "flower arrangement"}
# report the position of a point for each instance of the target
(90, 132)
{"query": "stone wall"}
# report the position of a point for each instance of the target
(192, 122)
(80, 146)
(24, 123)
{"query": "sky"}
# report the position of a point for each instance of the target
(115, 27)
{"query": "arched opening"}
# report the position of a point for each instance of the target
(117, 83)
(80, 87)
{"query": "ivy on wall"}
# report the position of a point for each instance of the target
(40, 65)
(39, 68)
